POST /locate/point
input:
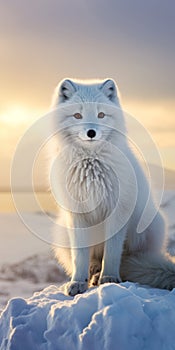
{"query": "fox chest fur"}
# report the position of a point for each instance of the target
(86, 185)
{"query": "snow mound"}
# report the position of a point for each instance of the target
(112, 316)
(28, 276)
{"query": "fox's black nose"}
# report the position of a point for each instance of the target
(91, 133)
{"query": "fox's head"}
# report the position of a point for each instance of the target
(88, 112)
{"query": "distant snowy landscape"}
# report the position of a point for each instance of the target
(124, 316)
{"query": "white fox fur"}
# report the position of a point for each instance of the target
(95, 168)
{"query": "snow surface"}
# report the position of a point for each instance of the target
(123, 316)
(112, 316)
(17, 242)
(28, 276)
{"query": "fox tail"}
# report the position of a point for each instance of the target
(157, 271)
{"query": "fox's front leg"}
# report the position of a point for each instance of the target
(79, 255)
(80, 267)
(112, 257)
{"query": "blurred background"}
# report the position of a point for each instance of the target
(43, 42)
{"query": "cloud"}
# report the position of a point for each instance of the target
(132, 42)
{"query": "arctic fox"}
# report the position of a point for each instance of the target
(102, 192)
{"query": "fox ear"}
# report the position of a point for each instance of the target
(109, 89)
(66, 90)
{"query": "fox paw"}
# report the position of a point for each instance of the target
(74, 287)
(94, 280)
(94, 269)
(109, 279)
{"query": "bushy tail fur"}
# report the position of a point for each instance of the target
(157, 271)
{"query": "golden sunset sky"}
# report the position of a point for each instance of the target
(44, 41)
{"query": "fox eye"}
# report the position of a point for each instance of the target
(78, 116)
(101, 115)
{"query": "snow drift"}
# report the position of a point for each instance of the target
(123, 316)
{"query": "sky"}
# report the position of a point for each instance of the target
(43, 41)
